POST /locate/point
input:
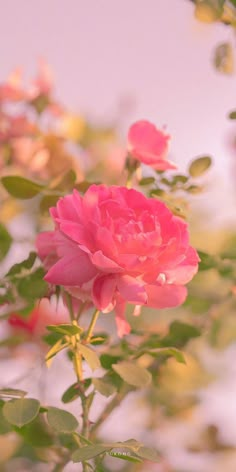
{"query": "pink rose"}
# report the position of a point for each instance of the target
(114, 246)
(149, 145)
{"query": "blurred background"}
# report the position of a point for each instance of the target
(115, 62)
(142, 60)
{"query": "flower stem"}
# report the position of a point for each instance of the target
(86, 401)
(91, 326)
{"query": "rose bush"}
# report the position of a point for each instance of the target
(114, 246)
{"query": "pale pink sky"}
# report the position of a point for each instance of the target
(152, 50)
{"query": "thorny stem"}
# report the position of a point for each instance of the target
(91, 326)
(79, 374)
(77, 359)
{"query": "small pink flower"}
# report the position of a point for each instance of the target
(12, 90)
(43, 83)
(149, 145)
(115, 246)
(42, 86)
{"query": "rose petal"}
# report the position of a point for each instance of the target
(71, 270)
(103, 293)
(131, 289)
(123, 327)
(165, 296)
(104, 263)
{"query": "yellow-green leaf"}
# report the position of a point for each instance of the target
(21, 411)
(199, 166)
(224, 58)
(209, 11)
(132, 373)
(90, 356)
(5, 241)
(104, 387)
(61, 420)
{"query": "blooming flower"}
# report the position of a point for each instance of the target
(149, 145)
(114, 246)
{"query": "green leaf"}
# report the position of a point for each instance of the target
(224, 58)
(25, 264)
(158, 192)
(133, 374)
(207, 261)
(47, 202)
(32, 286)
(5, 427)
(148, 454)
(86, 453)
(100, 338)
(194, 189)
(104, 387)
(5, 241)
(36, 433)
(197, 304)
(129, 443)
(21, 411)
(59, 346)
(12, 392)
(125, 456)
(66, 182)
(65, 329)
(179, 178)
(169, 352)
(71, 394)
(83, 186)
(61, 420)
(52, 338)
(90, 356)
(146, 181)
(7, 297)
(232, 115)
(107, 360)
(199, 166)
(166, 181)
(75, 390)
(19, 187)
(179, 334)
(40, 103)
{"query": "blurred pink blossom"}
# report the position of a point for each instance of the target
(14, 127)
(12, 89)
(149, 145)
(44, 313)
